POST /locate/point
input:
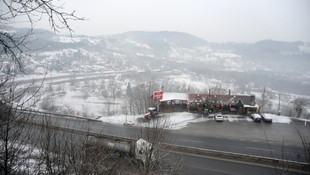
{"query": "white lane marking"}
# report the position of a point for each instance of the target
(260, 149)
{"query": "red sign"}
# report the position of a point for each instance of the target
(158, 95)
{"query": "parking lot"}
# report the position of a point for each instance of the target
(243, 127)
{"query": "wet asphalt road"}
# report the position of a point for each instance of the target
(238, 137)
(261, 139)
(202, 166)
(244, 137)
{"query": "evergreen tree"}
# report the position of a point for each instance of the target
(129, 91)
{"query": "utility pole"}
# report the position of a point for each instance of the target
(263, 102)
(279, 113)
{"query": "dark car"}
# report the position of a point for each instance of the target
(151, 113)
(256, 117)
(266, 118)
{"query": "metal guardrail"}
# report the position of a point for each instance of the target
(215, 154)
(58, 115)
(248, 159)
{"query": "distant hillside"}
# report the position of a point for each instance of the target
(165, 38)
(279, 65)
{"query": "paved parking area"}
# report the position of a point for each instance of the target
(242, 127)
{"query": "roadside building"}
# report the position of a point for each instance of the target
(196, 102)
(177, 102)
(173, 102)
(242, 104)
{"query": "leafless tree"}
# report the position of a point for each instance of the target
(265, 100)
(286, 155)
(85, 111)
(48, 104)
(107, 108)
(73, 82)
(14, 124)
(103, 89)
(70, 153)
(219, 89)
(142, 96)
(287, 110)
(306, 146)
(139, 99)
(85, 94)
(109, 95)
(14, 134)
(62, 152)
(157, 132)
(299, 105)
(15, 47)
(67, 110)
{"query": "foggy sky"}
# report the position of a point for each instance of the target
(212, 20)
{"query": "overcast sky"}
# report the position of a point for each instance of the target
(212, 20)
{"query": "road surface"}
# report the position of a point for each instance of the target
(193, 164)
(199, 137)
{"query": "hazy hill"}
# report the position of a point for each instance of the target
(279, 65)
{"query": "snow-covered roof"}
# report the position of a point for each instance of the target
(250, 106)
(174, 96)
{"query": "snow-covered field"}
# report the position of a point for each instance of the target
(279, 119)
(84, 97)
(175, 120)
(81, 100)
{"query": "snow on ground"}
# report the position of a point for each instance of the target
(73, 99)
(93, 106)
(275, 118)
(236, 118)
(122, 119)
(180, 120)
(176, 120)
(279, 119)
(50, 74)
(139, 44)
(65, 39)
(198, 82)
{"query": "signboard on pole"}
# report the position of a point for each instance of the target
(158, 95)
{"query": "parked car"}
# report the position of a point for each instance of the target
(266, 118)
(219, 117)
(256, 117)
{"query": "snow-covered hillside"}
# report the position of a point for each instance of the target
(174, 60)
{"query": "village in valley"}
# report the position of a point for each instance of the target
(213, 105)
(208, 103)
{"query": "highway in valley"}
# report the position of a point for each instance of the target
(189, 136)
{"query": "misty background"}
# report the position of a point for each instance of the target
(177, 46)
(214, 21)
